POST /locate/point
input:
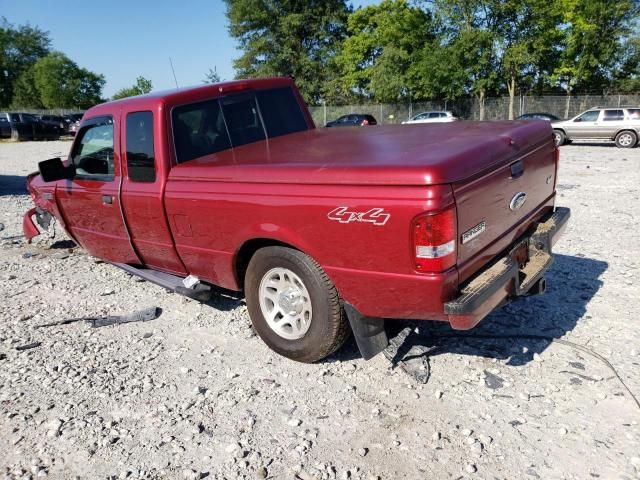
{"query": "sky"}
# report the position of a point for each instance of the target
(123, 39)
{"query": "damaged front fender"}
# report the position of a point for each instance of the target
(29, 228)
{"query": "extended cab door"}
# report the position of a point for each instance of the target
(146, 166)
(90, 202)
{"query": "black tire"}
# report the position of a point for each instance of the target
(559, 137)
(626, 139)
(328, 328)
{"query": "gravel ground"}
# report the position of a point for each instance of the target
(195, 394)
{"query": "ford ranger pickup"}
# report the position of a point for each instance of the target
(327, 231)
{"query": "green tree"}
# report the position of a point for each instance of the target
(437, 73)
(20, 48)
(627, 74)
(212, 76)
(141, 87)
(25, 91)
(594, 30)
(56, 81)
(529, 37)
(291, 38)
(469, 34)
(383, 42)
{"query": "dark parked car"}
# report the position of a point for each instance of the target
(56, 121)
(26, 126)
(5, 126)
(549, 117)
(353, 120)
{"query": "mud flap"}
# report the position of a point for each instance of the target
(369, 332)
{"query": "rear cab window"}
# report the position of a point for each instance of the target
(281, 112)
(210, 126)
(243, 119)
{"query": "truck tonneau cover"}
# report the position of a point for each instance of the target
(383, 155)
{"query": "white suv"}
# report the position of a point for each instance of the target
(621, 124)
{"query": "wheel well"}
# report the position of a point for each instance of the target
(630, 130)
(248, 249)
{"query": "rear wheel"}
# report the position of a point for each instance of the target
(626, 139)
(293, 305)
(559, 137)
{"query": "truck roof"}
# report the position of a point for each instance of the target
(184, 95)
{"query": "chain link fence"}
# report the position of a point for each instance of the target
(469, 108)
(53, 111)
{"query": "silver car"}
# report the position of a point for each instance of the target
(620, 124)
(432, 117)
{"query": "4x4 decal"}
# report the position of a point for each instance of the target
(377, 216)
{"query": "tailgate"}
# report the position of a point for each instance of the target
(492, 204)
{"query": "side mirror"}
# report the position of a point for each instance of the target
(578, 119)
(53, 169)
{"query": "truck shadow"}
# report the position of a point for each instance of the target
(515, 332)
(224, 300)
(13, 185)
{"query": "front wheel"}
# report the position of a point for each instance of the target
(293, 305)
(626, 139)
(559, 137)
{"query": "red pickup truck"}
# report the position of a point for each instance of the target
(232, 185)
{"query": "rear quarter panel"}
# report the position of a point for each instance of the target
(212, 220)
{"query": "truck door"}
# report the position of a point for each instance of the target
(145, 172)
(90, 202)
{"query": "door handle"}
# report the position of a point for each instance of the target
(107, 199)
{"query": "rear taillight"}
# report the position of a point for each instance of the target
(434, 241)
(364, 122)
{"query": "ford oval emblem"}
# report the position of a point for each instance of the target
(518, 200)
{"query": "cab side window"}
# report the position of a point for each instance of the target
(140, 155)
(92, 153)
